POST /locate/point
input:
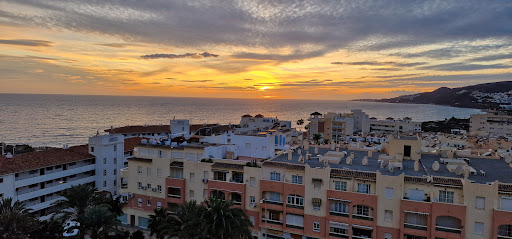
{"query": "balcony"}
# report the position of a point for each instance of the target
(266, 220)
(294, 206)
(448, 229)
(295, 226)
(333, 234)
(340, 214)
(267, 201)
(415, 226)
(362, 217)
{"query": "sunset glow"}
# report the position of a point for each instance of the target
(256, 49)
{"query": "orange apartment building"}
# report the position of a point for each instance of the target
(333, 193)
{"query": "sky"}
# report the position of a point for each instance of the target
(335, 50)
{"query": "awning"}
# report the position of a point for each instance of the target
(317, 180)
(422, 213)
(317, 202)
(176, 164)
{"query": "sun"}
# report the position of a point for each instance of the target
(265, 87)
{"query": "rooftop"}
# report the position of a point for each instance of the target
(132, 129)
(495, 169)
(40, 159)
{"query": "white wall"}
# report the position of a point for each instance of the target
(104, 149)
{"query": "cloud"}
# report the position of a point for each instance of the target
(26, 42)
(176, 56)
(198, 81)
(492, 57)
(116, 45)
(378, 63)
(464, 67)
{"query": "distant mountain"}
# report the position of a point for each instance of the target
(482, 96)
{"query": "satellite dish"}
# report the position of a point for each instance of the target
(365, 161)
(349, 161)
(384, 164)
(352, 154)
(508, 159)
(435, 166)
(459, 170)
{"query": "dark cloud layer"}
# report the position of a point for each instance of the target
(26, 42)
(326, 25)
(176, 56)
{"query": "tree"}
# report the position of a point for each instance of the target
(182, 223)
(316, 138)
(326, 141)
(99, 221)
(300, 123)
(51, 228)
(77, 199)
(221, 221)
(15, 220)
(158, 222)
(137, 235)
(114, 204)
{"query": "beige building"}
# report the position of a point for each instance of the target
(392, 126)
(324, 193)
(493, 123)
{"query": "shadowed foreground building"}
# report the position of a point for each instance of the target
(327, 192)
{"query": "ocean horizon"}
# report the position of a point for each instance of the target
(55, 120)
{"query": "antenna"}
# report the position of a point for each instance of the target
(384, 164)
(435, 166)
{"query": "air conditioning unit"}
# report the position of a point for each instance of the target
(205, 180)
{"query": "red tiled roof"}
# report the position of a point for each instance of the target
(40, 159)
(140, 129)
(284, 165)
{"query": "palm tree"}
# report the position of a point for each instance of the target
(51, 228)
(183, 223)
(221, 221)
(114, 204)
(159, 222)
(99, 222)
(15, 220)
(300, 123)
(317, 137)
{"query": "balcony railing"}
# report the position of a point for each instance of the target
(295, 226)
(341, 214)
(266, 220)
(415, 226)
(267, 201)
(295, 206)
(448, 229)
(173, 195)
(338, 235)
(362, 217)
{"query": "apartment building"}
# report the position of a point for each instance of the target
(328, 192)
(37, 178)
(331, 126)
(261, 123)
(494, 123)
(394, 126)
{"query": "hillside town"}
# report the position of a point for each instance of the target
(336, 175)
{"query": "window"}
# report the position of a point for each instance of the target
(205, 193)
(149, 185)
(316, 226)
(139, 169)
(340, 186)
(479, 228)
(92, 149)
(338, 228)
(148, 171)
(159, 188)
(115, 183)
(148, 202)
(177, 173)
(238, 177)
(191, 194)
(339, 207)
(363, 188)
(388, 215)
(388, 235)
(275, 176)
(104, 172)
(104, 183)
(104, 160)
(219, 176)
(296, 179)
(446, 196)
(295, 220)
(506, 203)
(251, 218)
(295, 200)
(158, 205)
(480, 203)
(139, 185)
(252, 199)
(389, 193)
(115, 172)
(205, 175)
(159, 172)
(362, 210)
(115, 160)
(192, 177)
(115, 147)
(252, 181)
(139, 202)
(505, 230)
(274, 196)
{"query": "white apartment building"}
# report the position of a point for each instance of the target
(494, 123)
(261, 123)
(394, 126)
(251, 146)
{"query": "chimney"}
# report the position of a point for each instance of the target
(370, 154)
(289, 154)
(416, 166)
(316, 150)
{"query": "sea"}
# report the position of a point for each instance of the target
(55, 120)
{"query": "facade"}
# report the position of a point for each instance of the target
(392, 126)
(396, 193)
(37, 178)
(493, 123)
(261, 123)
